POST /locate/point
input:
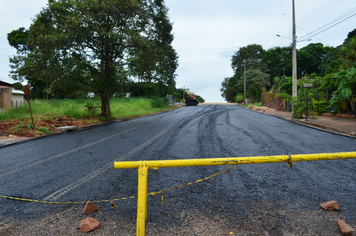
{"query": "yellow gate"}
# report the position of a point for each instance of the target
(144, 166)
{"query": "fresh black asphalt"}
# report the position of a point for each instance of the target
(79, 166)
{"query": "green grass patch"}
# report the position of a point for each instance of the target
(259, 104)
(135, 107)
(44, 130)
(120, 108)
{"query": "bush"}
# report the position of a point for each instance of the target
(157, 102)
(320, 107)
(239, 98)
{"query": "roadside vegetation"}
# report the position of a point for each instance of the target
(328, 72)
(103, 54)
(257, 104)
(49, 114)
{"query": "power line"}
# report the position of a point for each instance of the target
(318, 39)
(263, 20)
(325, 7)
(274, 32)
(331, 24)
(266, 28)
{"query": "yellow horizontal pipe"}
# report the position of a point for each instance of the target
(234, 160)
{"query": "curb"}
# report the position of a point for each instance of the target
(314, 126)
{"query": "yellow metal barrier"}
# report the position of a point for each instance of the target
(144, 166)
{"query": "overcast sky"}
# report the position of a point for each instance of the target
(208, 32)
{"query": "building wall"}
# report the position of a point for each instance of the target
(5, 98)
(17, 100)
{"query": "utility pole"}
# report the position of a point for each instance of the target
(244, 83)
(294, 62)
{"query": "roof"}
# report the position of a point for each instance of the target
(2, 87)
(3, 83)
(15, 91)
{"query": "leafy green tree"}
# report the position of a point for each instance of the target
(310, 58)
(348, 53)
(279, 61)
(18, 39)
(350, 35)
(346, 87)
(154, 60)
(254, 57)
(255, 81)
(93, 43)
(230, 87)
(330, 63)
(18, 86)
(199, 98)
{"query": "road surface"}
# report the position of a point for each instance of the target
(260, 199)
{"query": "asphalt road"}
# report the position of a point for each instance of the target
(259, 199)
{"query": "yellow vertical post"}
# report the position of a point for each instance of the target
(142, 199)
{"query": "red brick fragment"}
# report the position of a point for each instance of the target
(90, 208)
(89, 224)
(345, 229)
(330, 206)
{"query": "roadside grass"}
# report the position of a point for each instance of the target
(121, 108)
(258, 104)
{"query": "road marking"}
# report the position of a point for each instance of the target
(55, 195)
(64, 153)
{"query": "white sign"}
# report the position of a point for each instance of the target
(307, 85)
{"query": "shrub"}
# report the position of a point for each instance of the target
(157, 102)
(239, 98)
(320, 107)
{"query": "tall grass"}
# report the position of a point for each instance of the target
(133, 107)
(120, 108)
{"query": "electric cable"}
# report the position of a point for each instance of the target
(266, 28)
(336, 21)
(263, 20)
(325, 7)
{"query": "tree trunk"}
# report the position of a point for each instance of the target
(105, 103)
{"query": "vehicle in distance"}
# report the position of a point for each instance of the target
(191, 101)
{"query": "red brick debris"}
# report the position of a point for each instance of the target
(89, 224)
(90, 208)
(345, 229)
(330, 206)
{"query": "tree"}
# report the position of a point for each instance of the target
(255, 81)
(347, 52)
(200, 99)
(155, 60)
(279, 61)
(350, 35)
(18, 39)
(330, 62)
(310, 58)
(18, 86)
(230, 87)
(94, 43)
(346, 87)
(254, 57)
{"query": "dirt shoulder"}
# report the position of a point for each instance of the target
(345, 125)
(47, 124)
